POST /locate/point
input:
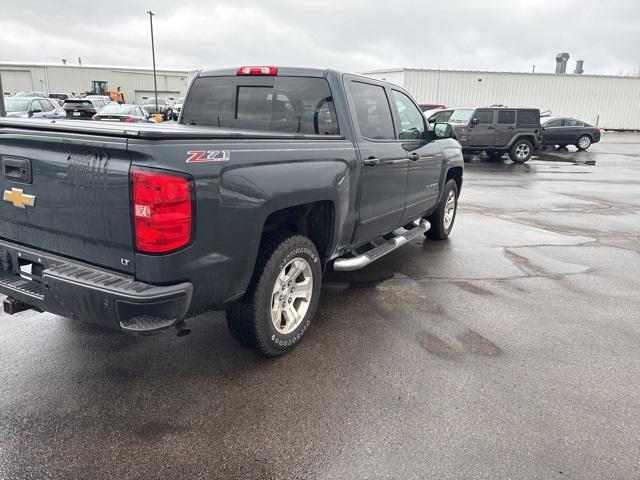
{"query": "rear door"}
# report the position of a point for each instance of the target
(79, 187)
(425, 157)
(383, 171)
(481, 128)
(505, 127)
(571, 130)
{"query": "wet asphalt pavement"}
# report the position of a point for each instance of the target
(510, 351)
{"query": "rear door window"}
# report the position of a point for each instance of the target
(570, 122)
(280, 104)
(372, 111)
(506, 117)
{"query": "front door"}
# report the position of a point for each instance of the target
(383, 169)
(425, 158)
(552, 132)
(481, 129)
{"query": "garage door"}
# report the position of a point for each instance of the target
(142, 95)
(14, 81)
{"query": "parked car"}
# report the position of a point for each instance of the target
(312, 169)
(82, 108)
(496, 130)
(104, 98)
(569, 131)
(31, 94)
(177, 108)
(163, 107)
(25, 107)
(60, 96)
(115, 112)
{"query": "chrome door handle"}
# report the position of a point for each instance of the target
(371, 161)
(414, 157)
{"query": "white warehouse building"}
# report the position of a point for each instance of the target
(135, 82)
(611, 102)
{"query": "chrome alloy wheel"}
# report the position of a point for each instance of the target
(584, 142)
(522, 151)
(291, 295)
(449, 209)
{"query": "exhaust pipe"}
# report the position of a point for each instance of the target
(182, 329)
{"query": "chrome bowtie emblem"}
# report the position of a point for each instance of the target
(18, 198)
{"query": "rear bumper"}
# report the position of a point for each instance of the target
(76, 290)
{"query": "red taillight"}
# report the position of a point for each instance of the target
(129, 119)
(162, 211)
(257, 71)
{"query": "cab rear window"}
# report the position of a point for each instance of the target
(278, 104)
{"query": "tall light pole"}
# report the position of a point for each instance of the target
(153, 55)
(3, 112)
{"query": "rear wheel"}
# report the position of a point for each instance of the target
(282, 297)
(442, 219)
(584, 142)
(521, 151)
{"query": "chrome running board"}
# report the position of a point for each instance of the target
(402, 236)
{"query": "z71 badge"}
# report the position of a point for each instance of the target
(204, 156)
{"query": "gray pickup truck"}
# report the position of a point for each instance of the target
(271, 176)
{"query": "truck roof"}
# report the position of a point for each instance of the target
(282, 71)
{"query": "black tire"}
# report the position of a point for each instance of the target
(517, 152)
(438, 230)
(495, 154)
(249, 319)
(583, 142)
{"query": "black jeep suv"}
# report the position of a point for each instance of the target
(497, 130)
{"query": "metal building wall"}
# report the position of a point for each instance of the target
(77, 79)
(610, 101)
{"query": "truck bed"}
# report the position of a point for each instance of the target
(153, 131)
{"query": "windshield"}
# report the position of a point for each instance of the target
(180, 100)
(117, 110)
(461, 116)
(16, 105)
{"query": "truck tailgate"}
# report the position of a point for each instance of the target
(78, 186)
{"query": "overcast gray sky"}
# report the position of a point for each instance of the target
(352, 35)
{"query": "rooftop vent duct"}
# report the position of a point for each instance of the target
(561, 62)
(579, 70)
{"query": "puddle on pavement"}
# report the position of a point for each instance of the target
(476, 343)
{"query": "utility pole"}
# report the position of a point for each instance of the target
(3, 112)
(153, 55)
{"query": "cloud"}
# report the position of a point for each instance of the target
(352, 35)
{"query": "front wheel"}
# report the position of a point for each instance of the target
(442, 219)
(521, 151)
(282, 297)
(584, 142)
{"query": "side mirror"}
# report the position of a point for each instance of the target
(474, 121)
(443, 130)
